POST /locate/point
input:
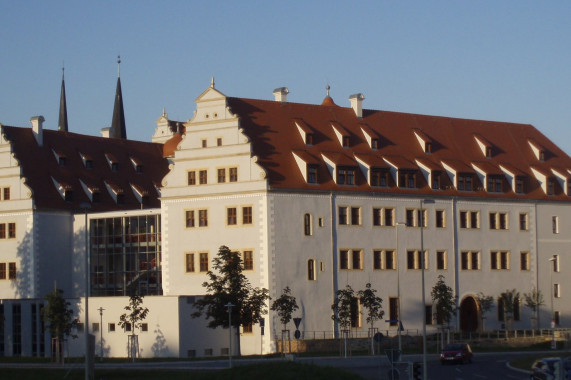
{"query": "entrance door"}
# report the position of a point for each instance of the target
(468, 314)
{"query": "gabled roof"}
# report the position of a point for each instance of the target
(270, 127)
(38, 167)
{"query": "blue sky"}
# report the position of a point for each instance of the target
(490, 60)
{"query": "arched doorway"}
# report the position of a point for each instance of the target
(469, 314)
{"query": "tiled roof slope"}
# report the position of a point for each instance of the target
(271, 126)
(40, 167)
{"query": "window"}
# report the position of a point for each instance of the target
(523, 221)
(465, 182)
(520, 185)
(441, 260)
(68, 195)
(202, 218)
(191, 177)
(6, 193)
(495, 184)
(2, 271)
(189, 218)
(524, 262)
(413, 259)
(555, 224)
(127, 326)
(355, 312)
(2, 231)
(247, 329)
(233, 174)
(204, 143)
(556, 291)
(557, 318)
(414, 217)
(517, 309)
(469, 219)
(144, 327)
(355, 216)
(499, 260)
(501, 309)
(380, 177)
(384, 260)
(550, 186)
(488, 152)
(231, 216)
(393, 311)
(343, 216)
(555, 261)
(11, 230)
(11, 271)
(311, 173)
(248, 260)
(115, 166)
(247, 215)
(309, 138)
(95, 327)
(346, 141)
(499, 221)
(436, 181)
(407, 179)
(345, 176)
(208, 352)
(470, 260)
(111, 327)
(307, 225)
(203, 261)
(383, 216)
(221, 175)
(440, 219)
(311, 270)
(351, 259)
(427, 147)
(375, 143)
(189, 261)
(219, 141)
(203, 177)
(428, 314)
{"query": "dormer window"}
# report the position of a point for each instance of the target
(551, 186)
(309, 138)
(436, 181)
(537, 149)
(345, 176)
(374, 143)
(96, 197)
(120, 199)
(407, 179)
(495, 183)
(541, 155)
(428, 147)
(311, 173)
(488, 152)
(137, 165)
(380, 177)
(346, 142)
(61, 161)
(68, 195)
(115, 166)
(465, 182)
(520, 185)
(89, 164)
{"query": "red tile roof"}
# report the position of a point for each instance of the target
(271, 127)
(38, 166)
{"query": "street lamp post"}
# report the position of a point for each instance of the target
(85, 207)
(229, 305)
(399, 322)
(101, 330)
(553, 346)
(421, 219)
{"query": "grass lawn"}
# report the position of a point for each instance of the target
(273, 370)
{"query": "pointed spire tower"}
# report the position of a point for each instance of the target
(62, 122)
(118, 128)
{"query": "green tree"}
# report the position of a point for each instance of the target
(443, 297)
(534, 300)
(230, 285)
(58, 316)
(374, 306)
(510, 300)
(342, 306)
(285, 305)
(136, 314)
(486, 303)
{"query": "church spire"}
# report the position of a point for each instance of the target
(62, 122)
(118, 128)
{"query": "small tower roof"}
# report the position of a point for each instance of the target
(118, 127)
(62, 121)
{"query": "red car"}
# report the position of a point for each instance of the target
(456, 352)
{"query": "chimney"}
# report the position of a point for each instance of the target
(280, 94)
(105, 132)
(37, 122)
(357, 104)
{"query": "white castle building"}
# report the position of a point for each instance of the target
(314, 196)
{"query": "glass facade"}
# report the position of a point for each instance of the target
(125, 256)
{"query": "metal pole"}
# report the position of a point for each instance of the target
(85, 207)
(553, 346)
(424, 366)
(101, 330)
(229, 306)
(397, 224)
